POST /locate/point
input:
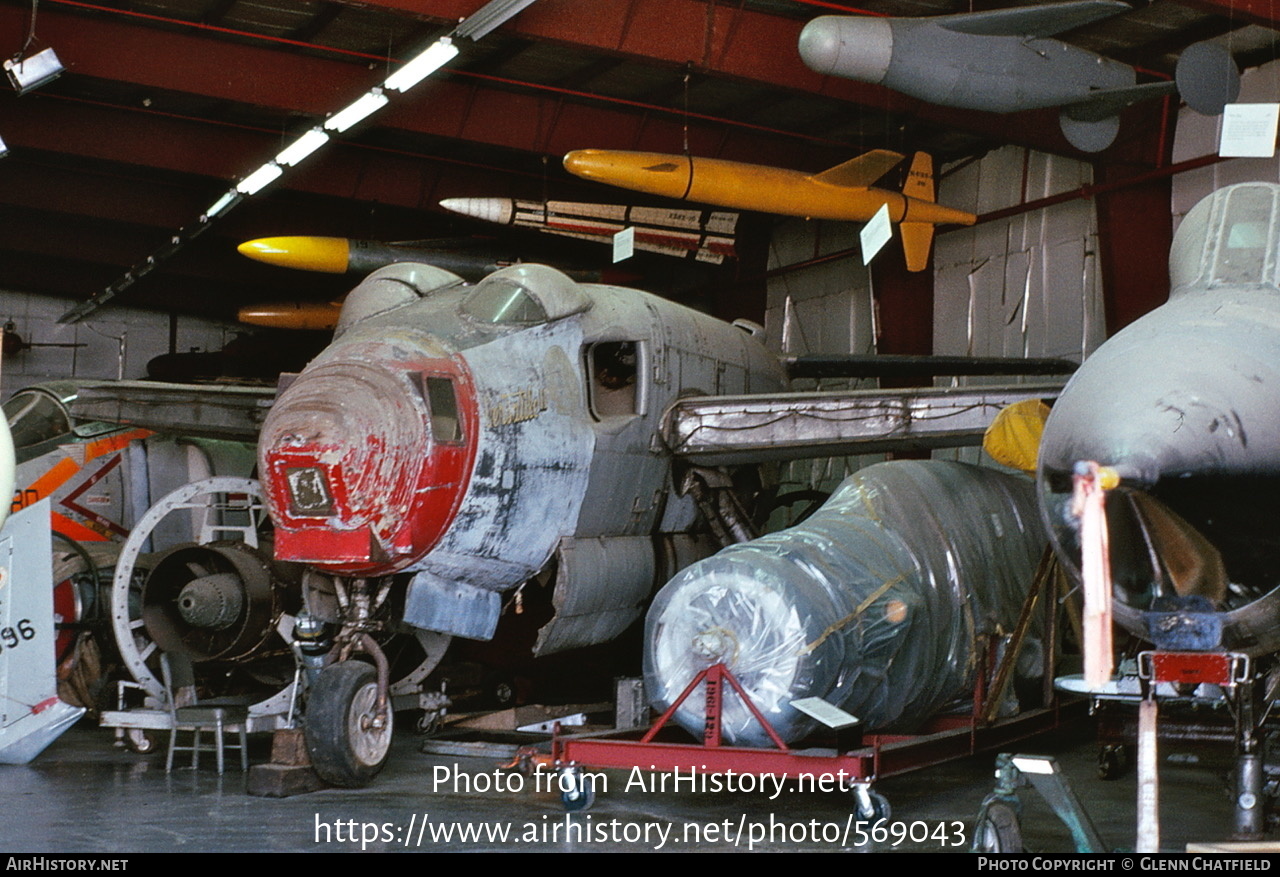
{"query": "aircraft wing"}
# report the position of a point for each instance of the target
(1033, 21)
(733, 430)
(856, 365)
(1108, 102)
(200, 410)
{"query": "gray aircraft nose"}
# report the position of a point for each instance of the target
(852, 46)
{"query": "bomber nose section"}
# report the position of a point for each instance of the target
(366, 458)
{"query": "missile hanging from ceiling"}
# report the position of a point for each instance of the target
(704, 235)
(844, 192)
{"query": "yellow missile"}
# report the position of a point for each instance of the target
(305, 253)
(843, 192)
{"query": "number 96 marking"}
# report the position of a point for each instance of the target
(10, 637)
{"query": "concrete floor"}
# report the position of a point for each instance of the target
(84, 795)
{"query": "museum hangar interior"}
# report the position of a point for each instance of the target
(440, 391)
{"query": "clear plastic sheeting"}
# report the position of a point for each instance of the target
(874, 603)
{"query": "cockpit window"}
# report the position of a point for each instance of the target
(1246, 236)
(613, 369)
(35, 418)
(443, 401)
(499, 300)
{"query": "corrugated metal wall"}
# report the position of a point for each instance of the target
(823, 308)
(1027, 285)
(118, 341)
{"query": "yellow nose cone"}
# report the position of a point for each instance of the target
(326, 255)
(650, 172)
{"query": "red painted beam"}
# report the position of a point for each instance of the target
(1263, 12)
(1135, 223)
(729, 42)
(221, 153)
(537, 122)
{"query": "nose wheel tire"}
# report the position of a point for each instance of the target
(347, 747)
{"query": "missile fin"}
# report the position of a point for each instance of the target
(1033, 21)
(861, 172)
(919, 183)
(917, 238)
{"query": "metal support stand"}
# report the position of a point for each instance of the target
(993, 833)
(1249, 820)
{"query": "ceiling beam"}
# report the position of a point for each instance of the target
(476, 109)
(719, 40)
(1263, 12)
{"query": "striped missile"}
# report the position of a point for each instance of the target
(844, 192)
(704, 235)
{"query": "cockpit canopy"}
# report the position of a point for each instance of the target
(391, 287)
(1228, 239)
(524, 295)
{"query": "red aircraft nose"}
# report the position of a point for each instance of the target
(366, 457)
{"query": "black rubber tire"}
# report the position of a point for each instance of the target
(581, 796)
(341, 753)
(880, 808)
(1113, 762)
(997, 830)
(144, 746)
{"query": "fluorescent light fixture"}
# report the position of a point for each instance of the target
(302, 147)
(363, 108)
(222, 203)
(33, 71)
(258, 180)
(435, 56)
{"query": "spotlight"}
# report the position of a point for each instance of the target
(33, 71)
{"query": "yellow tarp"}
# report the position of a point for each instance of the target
(1013, 438)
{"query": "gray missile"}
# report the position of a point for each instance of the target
(874, 603)
(1003, 61)
(1184, 404)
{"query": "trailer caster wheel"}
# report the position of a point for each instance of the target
(577, 790)
(997, 830)
(1112, 762)
(871, 806)
(139, 742)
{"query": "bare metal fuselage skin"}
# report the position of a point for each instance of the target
(468, 435)
(1185, 404)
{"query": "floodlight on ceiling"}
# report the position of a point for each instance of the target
(4, 148)
(33, 71)
(259, 179)
(364, 107)
(435, 56)
(299, 149)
